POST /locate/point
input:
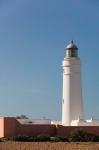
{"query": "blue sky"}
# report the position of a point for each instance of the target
(33, 36)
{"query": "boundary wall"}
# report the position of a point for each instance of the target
(67, 130)
(9, 126)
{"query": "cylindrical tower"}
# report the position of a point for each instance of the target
(72, 105)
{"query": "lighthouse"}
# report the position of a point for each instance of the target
(72, 104)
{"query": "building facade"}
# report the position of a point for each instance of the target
(72, 104)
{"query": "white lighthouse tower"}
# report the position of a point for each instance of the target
(72, 105)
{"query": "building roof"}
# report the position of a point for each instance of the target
(72, 46)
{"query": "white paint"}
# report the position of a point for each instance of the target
(34, 121)
(81, 122)
(72, 107)
(56, 122)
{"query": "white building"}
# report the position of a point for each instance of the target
(82, 122)
(72, 105)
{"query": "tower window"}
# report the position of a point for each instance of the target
(71, 53)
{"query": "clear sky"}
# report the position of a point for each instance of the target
(33, 36)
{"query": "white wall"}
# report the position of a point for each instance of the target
(72, 105)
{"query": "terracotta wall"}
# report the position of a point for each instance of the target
(67, 130)
(11, 127)
(37, 129)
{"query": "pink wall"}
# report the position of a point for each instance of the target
(11, 127)
(1, 127)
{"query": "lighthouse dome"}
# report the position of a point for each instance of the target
(72, 46)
